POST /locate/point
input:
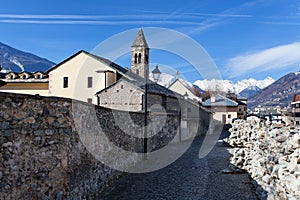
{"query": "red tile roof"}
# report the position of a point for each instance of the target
(296, 98)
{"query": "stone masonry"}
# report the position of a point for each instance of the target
(43, 155)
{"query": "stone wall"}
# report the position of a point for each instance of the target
(49, 146)
(271, 155)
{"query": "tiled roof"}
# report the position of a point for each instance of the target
(139, 82)
(104, 60)
(220, 101)
(296, 98)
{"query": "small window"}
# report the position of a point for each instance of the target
(135, 58)
(122, 87)
(90, 82)
(240, 109)
(66, 82)
(137, 72)
(90, 100)
(140, 58)
(147, 59)
(189, 110)
(229, 116)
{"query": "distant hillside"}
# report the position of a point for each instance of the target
(280, 93)
(16, 60)
(249, 91)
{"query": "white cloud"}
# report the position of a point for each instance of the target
(274, 58)
(182, 18)
(97, 22)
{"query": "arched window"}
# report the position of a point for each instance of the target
(146, 58)
(140, 58)
(135, 58)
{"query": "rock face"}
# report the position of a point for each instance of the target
(270, 155)
(43, 156)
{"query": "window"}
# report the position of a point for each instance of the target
(229, 116)
(90, 82)
(147, 59)
(122, 87)
(189, 110)
(137, 72)
(66, 82)
(140, 58)
(135, 58)
(90, 100)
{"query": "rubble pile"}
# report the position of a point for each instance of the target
(270, 155)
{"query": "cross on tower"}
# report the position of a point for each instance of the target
(177, 74)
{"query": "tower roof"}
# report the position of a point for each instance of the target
(140, 40)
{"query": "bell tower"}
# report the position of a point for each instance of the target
(140, 55)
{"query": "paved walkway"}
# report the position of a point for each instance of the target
(187, 178)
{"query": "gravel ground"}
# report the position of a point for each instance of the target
(187, 178)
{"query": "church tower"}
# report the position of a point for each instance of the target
(140, 55)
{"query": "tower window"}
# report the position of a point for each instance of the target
(135, 58)
(90, 82)
(137, 72)
(147, 59)
(140, 58)
(66, 82)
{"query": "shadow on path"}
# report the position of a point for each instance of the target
(187, 178)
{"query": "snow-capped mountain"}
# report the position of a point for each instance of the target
(227, 85)
(164, 80)
(247, 86)
(249, 91)
(16, 60)
(280, 93)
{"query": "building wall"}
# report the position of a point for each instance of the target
(78, 69)
(181, 89)
(33, 88)
(218, 113)
(126, 96)
(122, 96)
(242, 112)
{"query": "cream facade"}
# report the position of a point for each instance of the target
(80, 77)
(181, 87)
(222, 108)
(224, 115)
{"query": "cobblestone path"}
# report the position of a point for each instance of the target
(187, 178)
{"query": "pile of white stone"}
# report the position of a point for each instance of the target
(271, 156)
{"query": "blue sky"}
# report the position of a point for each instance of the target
(244, 38)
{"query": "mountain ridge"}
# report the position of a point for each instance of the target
(18, 61)
(280, 93)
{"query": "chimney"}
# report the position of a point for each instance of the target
(213, 99)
